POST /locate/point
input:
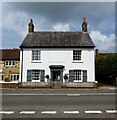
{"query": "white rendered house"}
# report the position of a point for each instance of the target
(56, 54)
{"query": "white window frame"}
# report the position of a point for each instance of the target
(10, 63)
(34, 59)
(35, 75)
(77, 55)
(1, 77)
(14, 76)
(76, 75)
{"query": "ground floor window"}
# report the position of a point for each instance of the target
(36, 75)
(1, 77)
(78, 75)
(14, 77)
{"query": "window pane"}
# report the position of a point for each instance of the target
(29, 75)
(6, 62)
(14, 77)
(13, 62)
(11, 77)
(74, 75)
(36, 74)
(84, 75)
(36, 54)
(17, 77)
(1, 77)
(71, 75)
(76, 54)
(42, 78)
(9, 62)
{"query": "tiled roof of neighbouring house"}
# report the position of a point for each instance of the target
(10, 54)
(57, 39)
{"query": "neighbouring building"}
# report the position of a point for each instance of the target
(55, 54)
(9, 65)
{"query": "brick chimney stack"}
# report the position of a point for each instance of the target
(31, 26)
(84, 25)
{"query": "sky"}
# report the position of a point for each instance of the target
(58, 16)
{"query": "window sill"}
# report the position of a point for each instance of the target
(36, 62)
(77, 61)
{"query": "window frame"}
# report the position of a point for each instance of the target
(77, 57)
(40, 75)
(34, 55)
(9, 63)
(77, 75)
(72, 75)
(2, 76)
(14, 76)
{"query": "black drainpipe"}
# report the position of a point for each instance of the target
(21, 65)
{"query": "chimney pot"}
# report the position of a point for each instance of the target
(84, 25)
(97, 52)
(31, 26)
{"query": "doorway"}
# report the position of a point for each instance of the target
(56, 73)
(56, 76)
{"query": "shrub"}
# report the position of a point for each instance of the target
(7, 80)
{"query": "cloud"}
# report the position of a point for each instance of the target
(62, 12)
(61, 27)
(59, 16)
(15, 21)
(103, 42)
(13, 28)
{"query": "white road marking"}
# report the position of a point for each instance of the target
(48, 112)
(93, 111)
(90, 94)
(27, 112)
(71, 112)
(31, 94)
(73, 94)
(111, 111)
(6, 112)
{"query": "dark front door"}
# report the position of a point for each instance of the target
(56, 76)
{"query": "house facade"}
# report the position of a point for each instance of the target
(9, 65)
(56, 54)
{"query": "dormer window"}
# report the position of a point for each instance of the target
(10, 63)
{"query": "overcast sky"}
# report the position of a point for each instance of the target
(59, 16)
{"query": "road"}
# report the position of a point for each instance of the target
(58, 104)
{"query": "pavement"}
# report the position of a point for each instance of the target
(107, 87)
(101, 87)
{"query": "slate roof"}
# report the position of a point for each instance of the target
(57, 39)
(10, 54)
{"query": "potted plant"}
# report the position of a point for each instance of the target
(47, 77)
(66, 77)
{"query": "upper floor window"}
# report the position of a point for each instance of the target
(10, 63)
(36, 55)
(77, 55)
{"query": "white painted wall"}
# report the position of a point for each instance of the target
(59, 56)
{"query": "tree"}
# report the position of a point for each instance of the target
(106, 68)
